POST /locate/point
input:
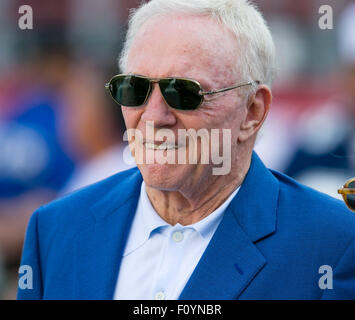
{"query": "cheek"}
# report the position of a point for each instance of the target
(220, 116)
(131, 117)
(208, 116)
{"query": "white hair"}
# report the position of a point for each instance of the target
(256, 60)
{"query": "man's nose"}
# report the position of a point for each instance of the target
(157, 110)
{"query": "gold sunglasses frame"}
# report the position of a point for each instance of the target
(345, 190)
(202, 93)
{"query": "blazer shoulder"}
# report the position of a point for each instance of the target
(309, 206)
(74, 208)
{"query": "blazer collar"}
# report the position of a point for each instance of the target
(255, 205)
(231, 260)
(98, 248)
(123, 191)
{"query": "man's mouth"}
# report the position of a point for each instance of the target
(161, 146)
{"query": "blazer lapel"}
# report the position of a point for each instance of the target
(98, 249)
(229, 263)
(232, 260)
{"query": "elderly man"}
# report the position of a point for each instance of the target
(176, 228)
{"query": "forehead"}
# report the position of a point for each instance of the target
(183, 46)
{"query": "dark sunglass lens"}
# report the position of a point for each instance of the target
(351, 197)
(180, 93)
(130, 91)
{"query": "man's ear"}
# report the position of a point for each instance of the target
(258, 106)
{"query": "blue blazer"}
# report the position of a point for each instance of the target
(273, 239)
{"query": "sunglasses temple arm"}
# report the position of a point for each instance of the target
(229, 88)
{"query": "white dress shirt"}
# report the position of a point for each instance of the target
(159, 259)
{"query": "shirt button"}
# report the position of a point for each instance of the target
(178, 236)
(159, 295)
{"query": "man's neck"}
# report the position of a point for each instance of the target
(188, 208)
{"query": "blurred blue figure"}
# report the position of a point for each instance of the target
(34, 164)
(31, 156)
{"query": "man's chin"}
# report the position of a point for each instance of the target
(163, 176)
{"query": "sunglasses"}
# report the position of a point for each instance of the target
(348, 193)
(179, 93)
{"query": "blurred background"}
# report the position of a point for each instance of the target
(59, 129)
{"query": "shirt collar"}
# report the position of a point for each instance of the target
(147, 221)
(207, 226)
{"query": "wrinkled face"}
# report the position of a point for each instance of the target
(193, 47)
